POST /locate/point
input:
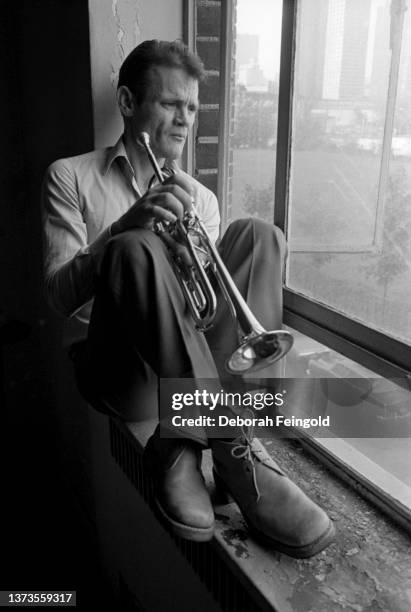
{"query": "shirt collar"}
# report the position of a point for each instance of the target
(117, 151)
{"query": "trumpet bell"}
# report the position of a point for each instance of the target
(259, 350)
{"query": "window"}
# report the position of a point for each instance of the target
(317, 136)
(349, 209)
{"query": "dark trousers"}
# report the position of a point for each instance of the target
(141, 330)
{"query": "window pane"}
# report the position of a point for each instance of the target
(253, 109)
(349, 219)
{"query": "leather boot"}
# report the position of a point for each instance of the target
(273, 506)
(180, 492)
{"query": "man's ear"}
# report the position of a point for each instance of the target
(126, 101)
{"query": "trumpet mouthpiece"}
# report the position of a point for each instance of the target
(143, 139)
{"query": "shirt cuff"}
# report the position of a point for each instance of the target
(96, 248)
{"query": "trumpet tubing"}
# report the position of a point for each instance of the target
(258, 347)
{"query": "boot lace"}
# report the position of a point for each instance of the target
(243, 448)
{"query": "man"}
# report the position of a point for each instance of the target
(104, 264)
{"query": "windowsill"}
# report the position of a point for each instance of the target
(370, 441)
(367, 567)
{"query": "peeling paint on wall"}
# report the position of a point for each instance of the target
(137, 26)
(119, 41)
(120, 31)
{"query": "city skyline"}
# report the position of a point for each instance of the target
(340, 62)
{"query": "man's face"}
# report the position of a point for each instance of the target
(168, 111)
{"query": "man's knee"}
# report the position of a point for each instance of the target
(138, 246)
(134, 243)
(255, 230)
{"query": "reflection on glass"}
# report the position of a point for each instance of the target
(253, 111)
(349, 225)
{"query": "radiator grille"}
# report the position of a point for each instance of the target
(227, 590)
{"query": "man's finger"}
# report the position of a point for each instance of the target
(182, 180)
(165, 199)
(178, 249)
(179, 194)
(163, 214)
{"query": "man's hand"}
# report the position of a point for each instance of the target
(166, 202)
(177, 245)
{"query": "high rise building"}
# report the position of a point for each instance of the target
(354, 52)
(333, 50)
(404, 84)
(312, 27)
(381, 55)
(333, 45)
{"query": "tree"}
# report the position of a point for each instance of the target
(259, 202)
(255, 120)
(310, 129)
(393, 258)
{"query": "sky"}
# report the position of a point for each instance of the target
(263, 17)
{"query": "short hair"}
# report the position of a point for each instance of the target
(136, 70)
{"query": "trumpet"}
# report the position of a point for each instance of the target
(258, 347)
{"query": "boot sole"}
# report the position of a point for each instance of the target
(195, 534)
(298, 552)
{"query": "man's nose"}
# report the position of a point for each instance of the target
(182, 116)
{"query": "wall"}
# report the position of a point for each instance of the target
(116, 27)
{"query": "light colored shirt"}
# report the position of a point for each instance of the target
(81, 197)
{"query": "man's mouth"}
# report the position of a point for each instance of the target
(178, 137)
